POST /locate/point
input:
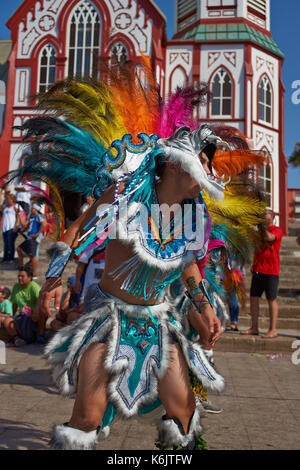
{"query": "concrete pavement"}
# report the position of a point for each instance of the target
(261, 405)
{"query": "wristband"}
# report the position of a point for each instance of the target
(201, 291)
(61, 253)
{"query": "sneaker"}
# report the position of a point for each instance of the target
(19, 342)
(209, 407)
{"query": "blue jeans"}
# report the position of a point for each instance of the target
(9, 238)
(233, 308)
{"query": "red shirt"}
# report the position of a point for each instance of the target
(267, 261)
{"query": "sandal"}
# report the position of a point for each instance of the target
(231, 328)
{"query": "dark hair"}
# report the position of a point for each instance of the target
(28, 270)
(6, 292)
(270, 211)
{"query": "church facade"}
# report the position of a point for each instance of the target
(226, 43)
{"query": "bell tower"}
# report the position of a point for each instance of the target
(190, 12)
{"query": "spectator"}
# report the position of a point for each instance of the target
(70, 309)
(237, 292)
(25, 293)
(31, 245)
(234, 311)
(87, 204)
(27, 326)
(10, 220)
(5, 304)
(4, 191)
(23, 198)
(265, 277)
(50, 222)
(89, 270)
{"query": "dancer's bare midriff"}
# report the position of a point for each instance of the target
(115, 254)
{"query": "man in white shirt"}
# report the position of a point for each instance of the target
(23, 198)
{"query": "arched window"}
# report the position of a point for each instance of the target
(118, 54)
(221, 104)
(178, 79)
(84, 40)
(265, 180)
(265, 100)
(47, 69)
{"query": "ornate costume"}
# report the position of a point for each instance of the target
(122, 133)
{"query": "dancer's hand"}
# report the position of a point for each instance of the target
(212, 322)
(52, 289)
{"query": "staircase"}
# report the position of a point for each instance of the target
(288, 301)
(288, 325)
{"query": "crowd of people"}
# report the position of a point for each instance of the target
(24, 218)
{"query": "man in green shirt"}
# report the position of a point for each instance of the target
(26, 292)
(27, 326)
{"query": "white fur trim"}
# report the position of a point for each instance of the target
(68, 438)
(59, 248)
(170, 434)
(134, 238)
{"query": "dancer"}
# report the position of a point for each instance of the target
(117, 356)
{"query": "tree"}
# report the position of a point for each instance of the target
(295, 157)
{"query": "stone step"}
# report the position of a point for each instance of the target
(290, 311)
(236, 342)
(282, 323)
(283, 302)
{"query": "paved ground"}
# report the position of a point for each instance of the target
(261, 405)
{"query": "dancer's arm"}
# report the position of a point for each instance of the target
(52, 288)
(192, 278)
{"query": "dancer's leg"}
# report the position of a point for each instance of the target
(175, 391)
(91, 398)
(180, 428)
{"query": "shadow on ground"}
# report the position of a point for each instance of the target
(40, 379)
(23, 435)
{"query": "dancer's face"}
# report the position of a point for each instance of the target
(193, 188)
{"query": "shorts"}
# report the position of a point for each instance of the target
(29, 247)
(267, 283)
(26, 328)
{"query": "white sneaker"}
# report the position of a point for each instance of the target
(209, 407)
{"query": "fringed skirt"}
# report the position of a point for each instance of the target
(138, 340)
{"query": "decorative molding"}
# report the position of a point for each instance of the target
(140, 37)
(123, 21)
(175, 55)
(118, 4)
(270, 66)
(46, 23)
(231, 57)
(259, 137)
(28, 40)
(213, 57)
(260, 62)
(186, 57)
(270, 141)
(172, 57)
(55, 6)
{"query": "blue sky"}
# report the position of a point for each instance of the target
(285, 28)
